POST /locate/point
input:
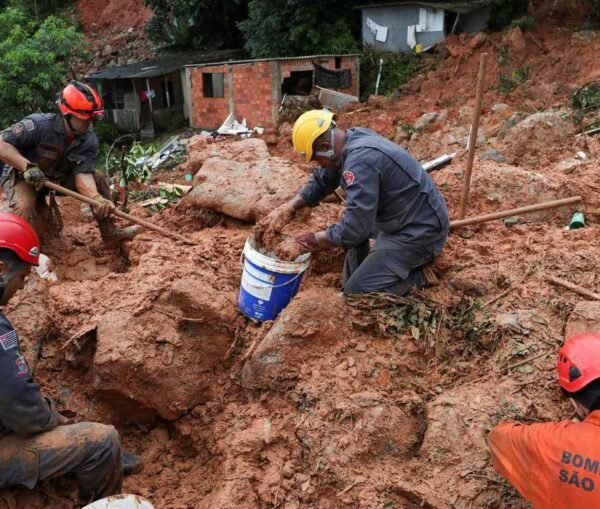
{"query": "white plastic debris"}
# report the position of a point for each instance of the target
(121, 502)
(232, 126)
(44, 270)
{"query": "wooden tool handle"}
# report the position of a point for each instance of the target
(118, 213)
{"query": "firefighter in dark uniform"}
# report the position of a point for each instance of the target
(61, 148)
(36, 441)
(388, 196)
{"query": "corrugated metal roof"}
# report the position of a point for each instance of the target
(461, 7)
(274, 59)
(164, 64)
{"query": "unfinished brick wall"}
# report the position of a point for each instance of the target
(255, 91)
(208, 112)
(289, 66)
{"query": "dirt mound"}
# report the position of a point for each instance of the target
(97, 15)
(540, 137)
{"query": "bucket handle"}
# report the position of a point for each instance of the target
(269, 286)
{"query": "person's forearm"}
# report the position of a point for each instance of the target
(11, 156)
(297, 203)
(86, 185)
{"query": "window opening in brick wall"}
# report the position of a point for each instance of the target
(299, 83)
(212, 84)
(338, 62)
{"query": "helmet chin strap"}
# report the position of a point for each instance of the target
(330, 154)
(73, 130)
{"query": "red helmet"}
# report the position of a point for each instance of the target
(19, 236)
(81, 100)
(579, 362)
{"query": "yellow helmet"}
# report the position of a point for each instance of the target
(308, 128)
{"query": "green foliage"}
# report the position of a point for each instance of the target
(137, 167)
(511, 80)
(586, 102)
(299, 27)
(524, 23)
(193, 24)
(106, 132)
(503, 12)
(36, 60)
(39, 8)
(396, 70)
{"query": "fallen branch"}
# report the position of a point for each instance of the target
(530, 359)
(570, 286)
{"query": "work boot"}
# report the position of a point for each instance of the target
(132, 464)
(113, 236)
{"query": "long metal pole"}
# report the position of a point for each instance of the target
(118, 213)
(514, 212)
(473, 136)
(378, 76)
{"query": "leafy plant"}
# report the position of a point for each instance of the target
(524, 23)
(299, 27)
(137, 167)
(502, 12)
(36, 59)
(396, 70)
(586, 101)
(197, 24)
(106, 132)
(511, 80)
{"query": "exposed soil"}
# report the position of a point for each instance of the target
(337, 403)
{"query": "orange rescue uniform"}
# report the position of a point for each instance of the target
(553, 465)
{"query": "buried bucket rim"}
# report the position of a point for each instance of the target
(272, 264)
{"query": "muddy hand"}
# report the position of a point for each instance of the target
(34, 177)
(275, 221)
(290, 249)
(104, 208)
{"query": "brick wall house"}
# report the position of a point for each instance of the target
(253, 89)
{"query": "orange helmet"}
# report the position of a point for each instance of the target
(579, 362)
(81, 100)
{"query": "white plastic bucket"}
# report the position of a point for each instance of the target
(268, 284)
(121, 502)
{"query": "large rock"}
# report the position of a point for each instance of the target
(156, 360)
(539, 137)
(201, 148)
(245, 190)
(315, 320)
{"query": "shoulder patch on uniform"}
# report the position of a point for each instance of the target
(9, 340)
(21, 366)
(348, 178)
(17, 128)
(28, 124)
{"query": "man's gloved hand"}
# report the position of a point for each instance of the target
(275, 221)
(34, 177)
(104, 208)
